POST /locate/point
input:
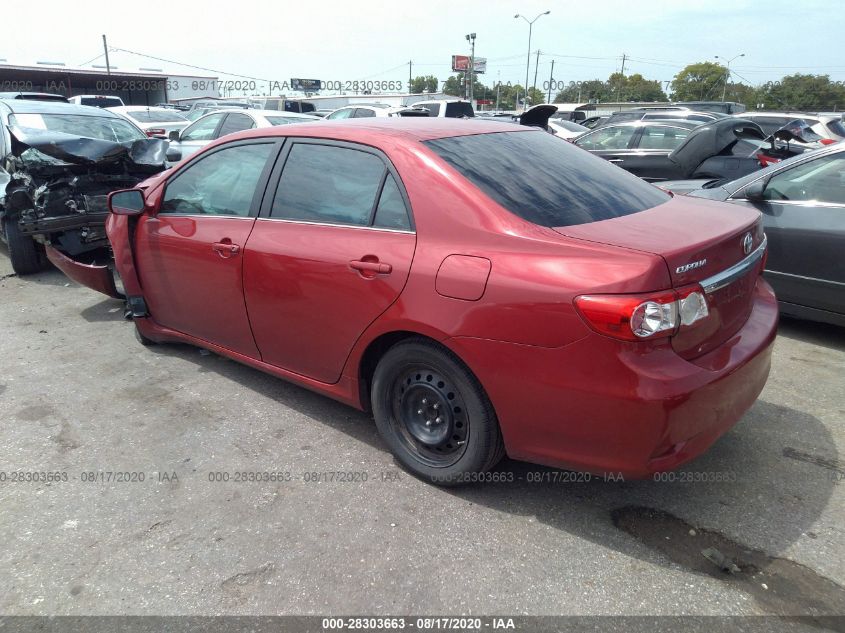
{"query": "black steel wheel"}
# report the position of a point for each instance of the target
(434, 414)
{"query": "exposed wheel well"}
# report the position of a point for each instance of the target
(375, 350)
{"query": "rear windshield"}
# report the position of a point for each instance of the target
(101, 102)
(111, 128)
(458, 109)
(836, 126)
(285, 120)
(546, 180)
(156, 116)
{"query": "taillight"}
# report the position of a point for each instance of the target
(766, 160)
(827, 141)
(156, 131)
(641, 317)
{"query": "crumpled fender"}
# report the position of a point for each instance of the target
(121, 232)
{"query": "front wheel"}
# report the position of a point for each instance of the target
(434, 414)
(23, 251)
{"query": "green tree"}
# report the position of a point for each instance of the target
(637, 88)
(454, 86)
(421, 84)
(700, 81)
(591, 91)
(802, 92)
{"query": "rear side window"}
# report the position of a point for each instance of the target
(236, 123)
(546, 180)
(391, 212)
(334, 185)
(433, 109)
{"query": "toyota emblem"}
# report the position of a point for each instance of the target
(747, 243)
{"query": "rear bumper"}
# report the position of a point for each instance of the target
(99, 278)
(605, 406)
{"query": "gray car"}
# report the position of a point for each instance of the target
(802, 200)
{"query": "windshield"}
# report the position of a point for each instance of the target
(837, 127)
(156, 116)
(546, 180)
(104, 128)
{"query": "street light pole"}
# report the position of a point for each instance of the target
(528, 59)
(471, 39)
(728, 72)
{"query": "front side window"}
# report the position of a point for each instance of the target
(820, 180)
(202, 129)
(607, 138)
(322, 183)
(662, 137)
(222, 183)
(545, 180)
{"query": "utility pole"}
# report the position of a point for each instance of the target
(619, 87)
(498, 87)
(536, 68)
(528, 57)
(551, 79)
(410, 65)
(106, 49)
(471, 69)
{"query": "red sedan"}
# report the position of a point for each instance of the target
(482, 288)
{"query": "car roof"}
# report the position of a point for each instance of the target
(370, 130)
(25, 106)
(285, 113)
(686, 123)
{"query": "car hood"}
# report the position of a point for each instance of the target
(712, 139)
(56, 149)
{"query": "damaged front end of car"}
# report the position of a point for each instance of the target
(57, 186)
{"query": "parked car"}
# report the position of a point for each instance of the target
(482, 288)
(724, 107)
(662, 114)
(827, 126)
(157, 122)
(359, 111)
(442, 108)
(34, 96)
(222, 122)
(671, 150)
(593, 122)
(97, 101)
(567, 129)
(802, 200)
(57, 163)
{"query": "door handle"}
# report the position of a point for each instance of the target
(225, 248)
(376, 268)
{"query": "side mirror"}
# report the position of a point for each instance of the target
(173, 155)
(126, 202)
(173, 136)
(754, 191)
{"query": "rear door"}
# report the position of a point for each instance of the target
(614, 143)
(329, 253)
(189, 254)
(651, 161)
(804, 217)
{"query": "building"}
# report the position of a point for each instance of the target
(138, 86)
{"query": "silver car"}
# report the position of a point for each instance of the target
(213, 125)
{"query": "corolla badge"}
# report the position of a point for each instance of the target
(747, 243)
(690, 266)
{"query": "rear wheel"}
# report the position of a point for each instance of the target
(434, 414)
(23, 251)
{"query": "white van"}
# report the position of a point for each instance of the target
(456, 109)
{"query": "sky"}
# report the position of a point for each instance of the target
(344, 41)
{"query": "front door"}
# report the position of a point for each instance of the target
(329, 253)
(804, 218)
(190, 253)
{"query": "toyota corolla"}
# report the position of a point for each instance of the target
(482, 288)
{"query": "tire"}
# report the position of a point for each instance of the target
(143, 340)
(415, 384)
(23, 251)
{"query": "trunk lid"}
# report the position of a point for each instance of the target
(701, 242)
